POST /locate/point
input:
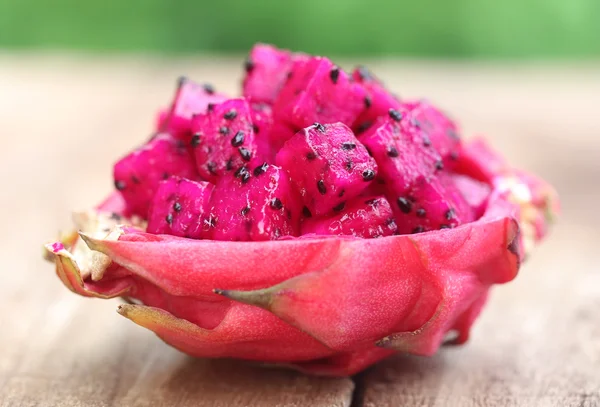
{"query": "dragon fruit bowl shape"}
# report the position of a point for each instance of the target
(316, 222)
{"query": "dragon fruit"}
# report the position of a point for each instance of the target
(318, 91)
(137, 175)
(377, 102)
(223, 138)
(267, 69)
(258, 204)
(179, 207)
(363, 217)
(328, 165)
(190, 99)
(321, 246)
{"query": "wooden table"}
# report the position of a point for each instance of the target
(64, 120)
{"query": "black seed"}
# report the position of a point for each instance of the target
(306, 212)
(364, 73)
(276, 203)
(311, 155)
(319, 127)
(230, 115)
(373, 202)
(334, 74)
(135, 179)
(395, 115)
(229, 164)
(245, 177)
(368, 175)
(249, 65)
(349, 165)
(418, 229)
(211, 167)
(261, 169)
(449, 215)
(208, 88)
(404, 204)
(245, 153)
(415, 123)
(421, 213)
(363, 127)
(238, 173)
(426, 140)
(444, 226)
(238, 139)
(224, 130)
(392, 152)
(454, 155)
(348, 146)
(165, 175)
(115, 216)
(210, 107)
(195, 140)
(321, 187)
(245, 210)
(177, 207)
(255, 128)
(342, 192)
(340, 207)
(120, 185)
(169, 219)
(368, 102)
(439, 165)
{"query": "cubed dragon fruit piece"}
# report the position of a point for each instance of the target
(365, 217)
(318, 91)
(378, 100)
(179, 207)
(437, 128)
(190, 99)
(328, 165)
(256, 204)
(137, 175)
(223, 138)
(267, 69)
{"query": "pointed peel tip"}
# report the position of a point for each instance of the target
(260, 298)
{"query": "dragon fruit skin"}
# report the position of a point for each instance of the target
(328, 165)
(179, 207)
(365, 217)
(222, 299)
(138, 174)
(263, 206)
(223, 139)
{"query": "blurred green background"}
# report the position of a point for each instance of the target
(427, 28)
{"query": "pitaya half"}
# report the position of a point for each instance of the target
(289, 238)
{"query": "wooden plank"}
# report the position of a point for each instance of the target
(64, 120)
(538, 341)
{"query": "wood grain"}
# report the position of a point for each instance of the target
(64, 120)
